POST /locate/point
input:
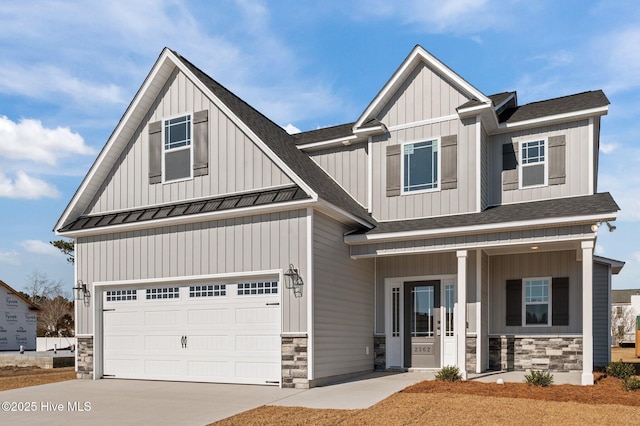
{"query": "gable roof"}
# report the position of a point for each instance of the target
(325, 134)
(550, 107)
(279, 144)
(32, 306)
(623, 296)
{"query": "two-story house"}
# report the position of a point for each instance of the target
(442, 227)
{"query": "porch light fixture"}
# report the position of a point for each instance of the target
(82, 292)
(611, 227)
(595, 227)
(293, 280)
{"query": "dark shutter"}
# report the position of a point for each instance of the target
(155, 152)
(514, 302)
(201, 143)
(509, 167)
(560, 301)
(557, 160)
(449, 162)
(393, 170)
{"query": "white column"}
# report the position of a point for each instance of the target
(587, 312)
(461, 313)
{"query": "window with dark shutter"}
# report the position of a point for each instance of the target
(560, 301)
(393, 170)
(509, 167)
(449, 162)
(557, 160)
(514, 303)
(201, 143)
(155, 152)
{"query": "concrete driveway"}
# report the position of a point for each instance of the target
(135, 402)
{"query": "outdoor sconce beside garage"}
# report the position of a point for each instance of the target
(293, 281)
(82, 292)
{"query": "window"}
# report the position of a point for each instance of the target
(449, 303)
(163, 293)
(212, 290)
(537, 301)
(258, 288)
(533, 162)
(177, 148)
(121, 295)
(421, 169)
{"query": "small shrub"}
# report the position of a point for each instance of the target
(621, 370)
(631, 383)
(538, 378)
(449, 373)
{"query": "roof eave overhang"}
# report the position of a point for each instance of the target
(313, 146)
(551, 119)
(339, 214)
(616, 265)
(357, 239)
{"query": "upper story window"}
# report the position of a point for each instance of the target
(537, 301)
(421, 166)
(177, 148)
(534, 160)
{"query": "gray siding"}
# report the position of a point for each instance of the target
(347, 165)
(424, 265)
(436, 203)
(264, 242)
(548, 264)
(343, 303)
(601, 315)
(235, 162)
(577, 164)
(484, 328)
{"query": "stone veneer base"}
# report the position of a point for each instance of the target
(85, 357)
(519, 353)
(295, 361)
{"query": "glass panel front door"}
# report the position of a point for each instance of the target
(422, 324)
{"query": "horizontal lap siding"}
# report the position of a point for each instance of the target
(549, 264)
(343, 303)
(264, 242)
(235, 162)
(577, 164)
(347, 166)
(601, 315)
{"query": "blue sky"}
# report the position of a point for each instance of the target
(68, 70)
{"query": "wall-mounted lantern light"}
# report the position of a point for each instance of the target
(293, 281)
(82, 292)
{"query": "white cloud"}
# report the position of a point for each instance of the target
(556, 59)
(25, 186)
(608, 148)
(39, 247)
(30, 140)
(636, 256)
(291, 129)
(10, 257)
(622, 59)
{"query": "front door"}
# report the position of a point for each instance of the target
(422, 324)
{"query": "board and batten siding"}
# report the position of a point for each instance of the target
(253, 243)
(533, 265)
(235, 162)
(601, 315)
(347, 165)
(436, 264)
(343, 303)
(577, 163)
(440, 202)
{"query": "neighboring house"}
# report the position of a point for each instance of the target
(442, 227)
(18, 321)
(625, 306)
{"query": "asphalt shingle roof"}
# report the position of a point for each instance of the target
(283, 145)
(623, 296)
(563, 105)
(324, 134)
(556, 208)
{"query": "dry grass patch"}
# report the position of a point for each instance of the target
(626, 354)
(22, 377)
(469, 402)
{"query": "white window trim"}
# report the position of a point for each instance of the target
(522, 165)
(422, 191)
(524, 302)
(190, 147)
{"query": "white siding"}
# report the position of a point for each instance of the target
(347, 165)
(255, 243)
(577, 164)
(235, 162)
(548, 264)
(343, 303)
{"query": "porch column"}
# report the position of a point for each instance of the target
(461, 313)
(587, 312)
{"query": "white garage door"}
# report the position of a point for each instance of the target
(226, 333)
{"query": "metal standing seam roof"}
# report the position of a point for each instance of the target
(601, 203)
(259, 198)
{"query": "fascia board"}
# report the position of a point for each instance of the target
(328, 143)
(192, 218)
(165, 55)
(191, 278)
(417, 54)
(325, 205)
(551, 119)
(464, 230)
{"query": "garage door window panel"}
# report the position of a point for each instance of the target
(121, 295)
(256, 288)
(163, 293)
(212, 290)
